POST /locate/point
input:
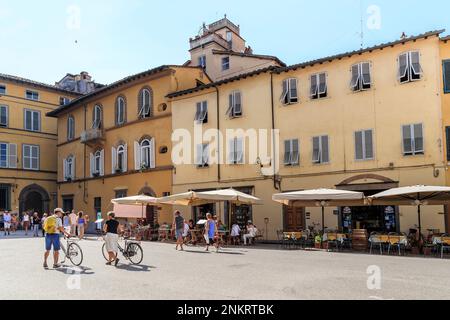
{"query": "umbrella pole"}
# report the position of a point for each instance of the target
(323, 220)
(420, 220)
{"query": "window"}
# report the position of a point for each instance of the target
(30, 157)
(236, 151)
(319, 87)
(229, 36)
(2, 89)
(121, 194)
(364, 145)
(145, 103)
(120, 111)
(290, 91)
(202, 61)
(32, 120)
(413, 140)
(409, 67)
(63, 101)
(97, 121)
(321, 150)
(69, 169)
(201, 115)
(235, 105)
(291, 153)
(3, 116)
(97, 163)
(8, 155)
(32, 95)
(68, 204)
(446, 72)
(202, 155)
(144, 154)
(119, 159)
(5, 197)
(70, 128)
(225, 63)
(361, 77)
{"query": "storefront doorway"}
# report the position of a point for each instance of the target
(294, 219)
(200, 212)
(373, 219)
(5, 197)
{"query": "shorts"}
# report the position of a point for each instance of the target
(7, 225)
(179, 233)
(52, 240)
(112, 242)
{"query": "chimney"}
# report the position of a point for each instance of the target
(85, 76)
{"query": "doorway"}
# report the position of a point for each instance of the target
(5, 197)
(294, 219)
(34, 203)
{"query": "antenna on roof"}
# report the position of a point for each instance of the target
(362, 24)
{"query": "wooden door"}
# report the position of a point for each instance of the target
(294, 219)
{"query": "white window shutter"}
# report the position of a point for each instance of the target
(231, 152)
(137, 156)
(240, 150)
(92, 161)
(125, 159)
(113, 160)
(199, 155)
(102, 162)
(72, 173)
(153, 154)
(64, 169)
(12, 155)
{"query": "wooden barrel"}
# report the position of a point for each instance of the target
(360, 240)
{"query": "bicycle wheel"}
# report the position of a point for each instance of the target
(75, 254)
(135, 253)
(105, 252)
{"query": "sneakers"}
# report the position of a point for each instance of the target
(56, 266)
(116, 262)
(45, 266)
(109, 263)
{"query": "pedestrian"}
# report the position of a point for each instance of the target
(81, 224)
(73, 223)
(44, 217)
(13, 223)
(53, 228)
(7, 221)
(186, 232)
(178, 227)
(26, 222)
(2, 222)
(211, 232)
(36, 223)
(235, 233)
(66, 222)
(251, 233)
(112, 229)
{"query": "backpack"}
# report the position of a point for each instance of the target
(50, 225)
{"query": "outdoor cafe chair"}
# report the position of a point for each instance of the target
(376, 242)
(445, 245)
(397, 241)
(332, 240)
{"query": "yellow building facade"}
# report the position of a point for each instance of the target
(28, 155)
(366, 121)
(115, 142)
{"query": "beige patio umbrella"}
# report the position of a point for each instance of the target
(413, 196)
(321, 198)
(140, 200)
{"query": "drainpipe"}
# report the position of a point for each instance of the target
(276, 185)
(219, 176)
(84, 157)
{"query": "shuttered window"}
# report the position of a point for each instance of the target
(70, 128)
(8, 155)
(32, 120)
(3, 116)
(321, 152)
(201, 114)
(120, 111)
(3, 155)
(319, 87)
(235, 105)
(409, 66)
(446, 71)
(236, 151)
(30, 157)
(413, 140)
(97, 121)
(145, 103)
(290, 91)
(202, 155)
(361, 77)
(364, 145)
(291, 152)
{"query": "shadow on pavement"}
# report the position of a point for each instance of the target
(134, 268)
(71, 270)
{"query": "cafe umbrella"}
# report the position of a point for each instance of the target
(413, 196)
(142, 200)
(320, 198)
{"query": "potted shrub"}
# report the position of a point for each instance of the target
(318, 242)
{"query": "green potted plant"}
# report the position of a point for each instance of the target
(318, 242)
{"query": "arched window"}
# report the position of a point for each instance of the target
(97, 117)
(146, 153)
(69, 168)
(119, 159)
(121, 109)
(97, 162)
(70, 128)
(145, 103)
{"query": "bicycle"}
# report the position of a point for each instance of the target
(133, 251)
(73, 252)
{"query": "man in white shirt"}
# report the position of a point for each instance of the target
(251, 232)
(235, 233)
(7, 222)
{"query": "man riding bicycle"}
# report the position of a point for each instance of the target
(112, 229)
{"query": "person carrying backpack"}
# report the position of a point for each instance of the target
(53, 227)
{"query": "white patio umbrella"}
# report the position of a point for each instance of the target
(141, 200)
(320, 198)
(413, 196)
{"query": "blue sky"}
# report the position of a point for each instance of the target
(44, 40)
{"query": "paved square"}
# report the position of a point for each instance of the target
(235, 273)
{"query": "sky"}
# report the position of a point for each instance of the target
(111, 39)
